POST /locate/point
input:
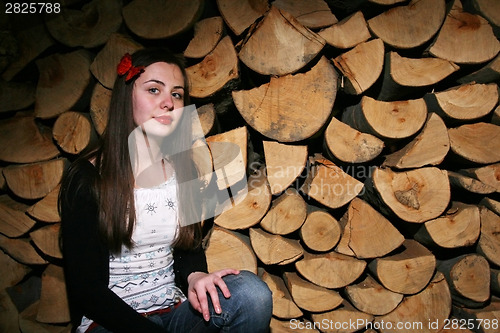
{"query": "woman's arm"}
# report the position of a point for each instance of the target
(86, 258)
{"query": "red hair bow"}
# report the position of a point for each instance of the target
(125, 67)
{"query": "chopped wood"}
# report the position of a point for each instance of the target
(459, 226)
(13, 272)
(283, 305)
(330, 270)
(278, 109)
(53, 306)
(489, 73)
(414, 196)
(13, 220)
(284, 326)
(469, 184)
(488, 174)
(99, 105)
(9, 316)
(320, 231)
(489, 239)
(495, 281)
(89, 26)
(372, 298)
(367, 237)
(203, 161)
(207, 34)
(488, 316)
(493, 205)
(36, 180)
(21, 250)
(207, 119)
(28, 322)
(477, 143)
(387, 120)
(350, 145)
(286, 215)
(46, 209)
(465, 38)
(329, 185)
(361, 66)
(347, 33)
(309, 296)
(403, 75)
(410, 26)
(468, 277)
(63, 80)
(429, 147)
(164, 19)
(274, 249)
(282, 55)
(73, 131)
(431, 305)
(229, 249)
(23, 141)
(16, 95)
(47, 240)
(104, 65)
(489, 9)
(284, 163)
(313, 14)
(240, 15)
(348, 318)
(216, 70)
(408, 271)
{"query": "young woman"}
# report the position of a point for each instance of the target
(131, 233)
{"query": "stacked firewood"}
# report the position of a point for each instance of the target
(369, 132)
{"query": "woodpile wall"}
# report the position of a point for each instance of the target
(370, 132)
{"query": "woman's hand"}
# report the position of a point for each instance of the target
(202, 283)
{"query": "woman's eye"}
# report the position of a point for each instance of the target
(154, 90)
(177, 95)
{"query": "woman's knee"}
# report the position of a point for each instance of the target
(248, 288)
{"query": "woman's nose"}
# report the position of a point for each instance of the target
(167, 103)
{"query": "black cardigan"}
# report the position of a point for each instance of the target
(86, 259)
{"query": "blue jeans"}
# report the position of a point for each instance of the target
(249, 309)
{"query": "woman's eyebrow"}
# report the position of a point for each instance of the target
(163, 84)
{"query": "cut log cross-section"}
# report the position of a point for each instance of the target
(274, 249)
(242, 14)
(347, 33)
(320, 231)
(286, 215)
(476, 143)
(73, 132)
(283, 304)
(207, 34)
(313, 14)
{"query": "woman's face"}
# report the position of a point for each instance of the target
(158, 98)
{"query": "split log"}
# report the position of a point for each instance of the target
(406, 272)
(488, 174)
(104, 65)
(489, 73)
(309, 296)
(465, 38)
(464, 103)
(99, 105)
(330, 270)
(350, 145)
(313, 14)
(87, 27)
(21, 250)
(476, 142)
(349, 32)
(283, 304)
(495, 281)
(320, 231)
(229, 153)
(345, 319)
(207, 119)
(489, 9)
(274, 249)
(284, 326)
(239, 16)
(414, 196)
(410, 26)
(462, 182)
(433, 304)
(489, 316)
(429, 147)
(489, 239)
(372, 298)
(36, 180)
(229, 249)
(16, 95)
(281, 55)
(73, 131)
(23, 141)
(330, 185)
(458, 227)
(404, 76)
(29, 324)
(286, 215)
(13, 220)
(276, 109)
(63, 80)
(203, 161)
(9, 317)
(491, 204)
(47, 240)
(367, 238)
(164, 19)
(46, 209)
(207, 34)
(387, 120)
(53, 306)
(13, 272)
(361, 66)
(217, 69)
(468, 277)
(284, 163)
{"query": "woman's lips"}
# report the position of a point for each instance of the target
(165, 120)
